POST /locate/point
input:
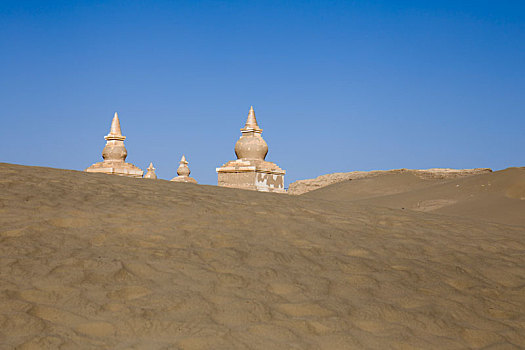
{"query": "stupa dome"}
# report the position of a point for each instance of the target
(251, 145)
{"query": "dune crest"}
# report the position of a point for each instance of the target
(488, 196)
(304, 186)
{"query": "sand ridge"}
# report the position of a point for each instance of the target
(96, 261)
(489, 196)
(304, 186)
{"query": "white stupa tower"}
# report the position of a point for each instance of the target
(151, 172)
(114, 154)
(251, 171)
(183, 172)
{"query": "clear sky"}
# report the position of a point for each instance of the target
(337, 86)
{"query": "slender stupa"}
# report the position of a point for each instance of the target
(183, 172)
(251, 171)
(151, 172)
(115, 154)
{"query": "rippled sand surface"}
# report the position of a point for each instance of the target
(90, 261)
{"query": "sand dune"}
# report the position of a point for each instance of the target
(493, 196)
(90, 261)
(304, 186)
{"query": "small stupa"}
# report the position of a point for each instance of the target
(115, 154)
(251, 171)
(151, 172)
(183, 172)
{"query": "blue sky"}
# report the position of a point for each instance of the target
(336, 85)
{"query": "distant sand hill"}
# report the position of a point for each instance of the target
(94, 261)
(476, 193)
(303, 186)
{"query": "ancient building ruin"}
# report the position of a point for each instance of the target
(114, 154)
(251, 171)
(151, 172)
(183, 172)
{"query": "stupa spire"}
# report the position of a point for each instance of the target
(114, 132)
(151, 172)
(251, 123)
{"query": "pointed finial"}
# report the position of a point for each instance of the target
(115, 126)
(251, 123)
(151, 166)
(115, 133)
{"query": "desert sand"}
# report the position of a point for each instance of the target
(304, 186)
(94, 261)
(489, 196)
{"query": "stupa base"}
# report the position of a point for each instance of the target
(252, 174)
(116, 168)
(184, 179)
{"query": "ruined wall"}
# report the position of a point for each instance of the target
(252, 181)
(269, 182)
(244, 180)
